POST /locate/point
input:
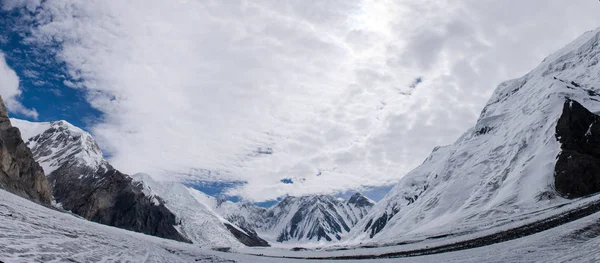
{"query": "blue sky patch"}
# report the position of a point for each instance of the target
(287, 181)
(43, 80)
(216, 189)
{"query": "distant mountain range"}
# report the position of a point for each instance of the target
(305, 219)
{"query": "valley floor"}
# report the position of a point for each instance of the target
(32, 233)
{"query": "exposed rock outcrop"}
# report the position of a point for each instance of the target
(86, 184)
(109, 197)
(19, 172)
(359, 200)
(577, 170)
(248, 237)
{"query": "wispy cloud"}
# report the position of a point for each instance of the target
(265, 91)
(9, 89)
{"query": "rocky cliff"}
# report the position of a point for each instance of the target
(19, 172)
(577, 170)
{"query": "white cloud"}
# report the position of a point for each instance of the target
(204, 84)
(9, 89)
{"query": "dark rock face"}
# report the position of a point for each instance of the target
(250, 238)
(248, 222)
(19, 172)
(577, 170)
(376, 225)
(109, 197)
(379, 224)
(359, 200)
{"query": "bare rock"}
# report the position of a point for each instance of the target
(19, 172)
(577, 169)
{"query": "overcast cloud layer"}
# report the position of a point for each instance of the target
(332, 94)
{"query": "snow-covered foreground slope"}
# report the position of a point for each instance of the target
(500, 170)
(33, 233)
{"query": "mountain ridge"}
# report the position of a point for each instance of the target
(300, 220)
(502, 168)
(84, 183)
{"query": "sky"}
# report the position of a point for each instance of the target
(272, 98)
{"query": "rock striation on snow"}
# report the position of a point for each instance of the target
(315, 217)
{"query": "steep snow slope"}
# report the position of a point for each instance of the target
(193, 208)
(501, 169)
(245, 216)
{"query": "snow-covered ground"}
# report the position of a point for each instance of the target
(32, 233)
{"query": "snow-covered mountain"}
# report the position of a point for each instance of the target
(306, 219)
(76, 167)
(504, 168)
(199, 221)
(84, 183)
(313, 218)
(59, 142)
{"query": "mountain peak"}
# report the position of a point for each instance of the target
(359, 200)
(58, 142)
(87, 185)
(312, 218)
